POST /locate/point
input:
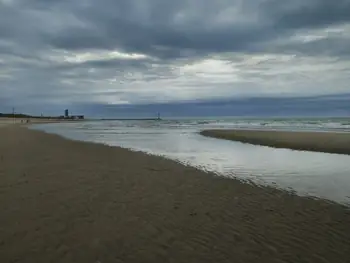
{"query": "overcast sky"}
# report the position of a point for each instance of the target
(226, 57)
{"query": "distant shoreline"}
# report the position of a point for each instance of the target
(328, 142)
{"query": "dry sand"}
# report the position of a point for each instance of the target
(66, 201)
(308, 141)
(9, 121)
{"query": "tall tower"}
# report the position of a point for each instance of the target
(66, 113)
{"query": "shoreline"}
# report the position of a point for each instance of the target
(327, 142)
(72, 201)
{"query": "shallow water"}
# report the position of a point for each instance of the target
(308, 173)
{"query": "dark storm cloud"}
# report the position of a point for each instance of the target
(159, 41)
(154, 30)
(311, 14)
(166, 28)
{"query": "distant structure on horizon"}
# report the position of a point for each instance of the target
(72, 117)
(42, 116)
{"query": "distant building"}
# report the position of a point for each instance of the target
(71, 117)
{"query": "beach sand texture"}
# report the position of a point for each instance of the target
(309, 141)
(9, 121)
(68, 201)
(4, 121)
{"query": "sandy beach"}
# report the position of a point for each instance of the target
(20, 121)
(69, 201)
(308, 141)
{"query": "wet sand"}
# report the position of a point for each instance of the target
(307, 141)
(68, 201)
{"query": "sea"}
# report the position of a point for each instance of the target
(319, 175)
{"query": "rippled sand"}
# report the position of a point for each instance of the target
(67, 201)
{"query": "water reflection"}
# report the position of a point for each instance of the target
(310, 173)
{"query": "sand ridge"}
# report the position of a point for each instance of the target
(329, 142)
(69, 201)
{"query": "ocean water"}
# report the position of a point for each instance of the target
(307, 173)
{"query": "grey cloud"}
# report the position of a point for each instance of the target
(171, 33)
(157, 35)
(113, 63)
(336, 47)
(165, 28)
(313, 13)
(144, 27)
